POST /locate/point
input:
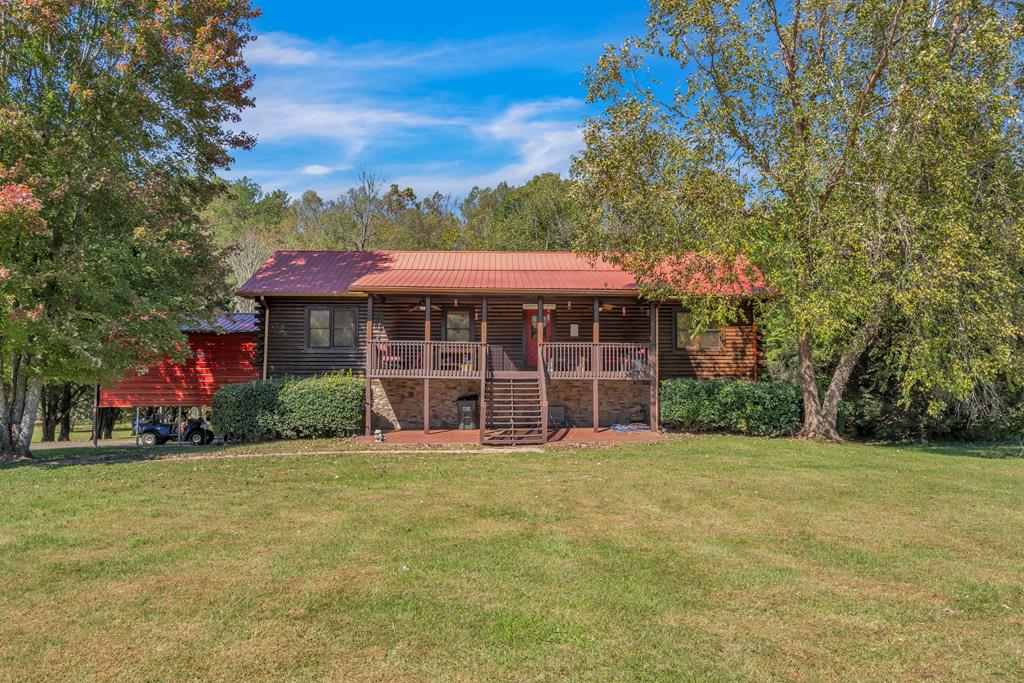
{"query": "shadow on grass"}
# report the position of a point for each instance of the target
(108, 456)
(999, 450)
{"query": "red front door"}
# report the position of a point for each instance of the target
(530, 334)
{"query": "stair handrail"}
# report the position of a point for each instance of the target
(541, 370)
(484, 355)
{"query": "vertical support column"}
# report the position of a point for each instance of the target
(595, 361)
(757, 351)
(483, 368)
(96, 416)
(541, 331)
(368, 407)
(428, 359)
(137, 430)
(266, 333)
(653, 362)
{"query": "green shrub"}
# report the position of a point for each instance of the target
(325, 405)
(761, 409)
(246, 412)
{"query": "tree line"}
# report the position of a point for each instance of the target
(247, 224)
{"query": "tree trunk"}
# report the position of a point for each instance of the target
(51, 415)
(108, 417)
(821, 416)
(33, 395)
(49, 425)
(17, 390)
(5, 421)
(66, 404)
(817, 424)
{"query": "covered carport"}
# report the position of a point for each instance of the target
(220, 354)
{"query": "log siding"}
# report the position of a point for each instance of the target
(288, 349)
(401, 317)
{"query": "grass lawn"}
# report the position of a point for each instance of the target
(83, 432)
(700, 558)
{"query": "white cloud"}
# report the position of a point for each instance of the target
(352, 125)
(442, 56)
(320, 169)
(540, 145)
(282, 49)
(348, 103)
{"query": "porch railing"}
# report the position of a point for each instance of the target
(435, 359)
(562, 360)
(581, 360)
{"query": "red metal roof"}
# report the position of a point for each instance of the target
(216, 361)
(343, 272)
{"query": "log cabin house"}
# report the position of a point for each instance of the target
(512, 343)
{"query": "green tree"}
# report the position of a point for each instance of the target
(428, 223)
(241, 209)
(315, 223)
(537, 216)
(247, 225)
(479, 212)
(540, 215)
(867, 156)
(114, 117)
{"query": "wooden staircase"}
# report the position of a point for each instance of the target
(514, 412)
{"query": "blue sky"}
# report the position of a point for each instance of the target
(436, 96)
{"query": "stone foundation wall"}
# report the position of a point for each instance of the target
(398, 403)
(614, 399)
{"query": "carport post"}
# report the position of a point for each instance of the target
(96, 417)
(136, 425)
(178, 426)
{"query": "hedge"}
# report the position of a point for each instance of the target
(757, 408)
(320, 406)
(246, 412)
(326, 405)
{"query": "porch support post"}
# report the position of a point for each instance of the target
(483, 368)
(428, 357)
(595, 362)
(96, 416)
(757, 351)
(368, 407)
(266, 333)
(653, 363)
(541, 331)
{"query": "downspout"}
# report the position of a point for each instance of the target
(266, 333)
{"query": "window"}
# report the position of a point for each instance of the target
(458, 326)
(685, 339)
(320, 328)
(344, 329)
(331, 328)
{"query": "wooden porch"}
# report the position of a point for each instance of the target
(468, 360)
(514, 368)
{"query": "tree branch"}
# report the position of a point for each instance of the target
(855, 120)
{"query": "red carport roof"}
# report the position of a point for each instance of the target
(319, 273)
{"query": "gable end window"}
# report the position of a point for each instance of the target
(331, 328)
(685, 340)
(458, 325)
